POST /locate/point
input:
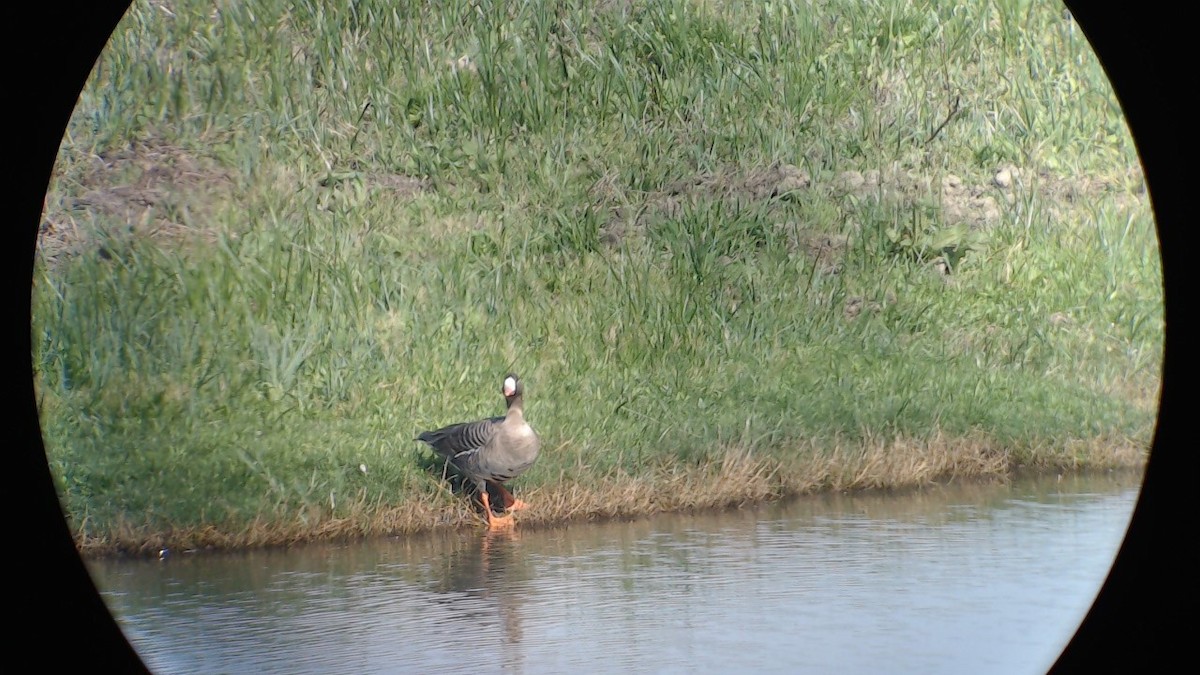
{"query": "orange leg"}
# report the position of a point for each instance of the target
(511, 503)
(493, 521)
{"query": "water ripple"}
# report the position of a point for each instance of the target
(950, 579)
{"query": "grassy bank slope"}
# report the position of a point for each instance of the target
(736, 249)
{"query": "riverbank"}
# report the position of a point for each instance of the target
(736, 251)
(739, 479)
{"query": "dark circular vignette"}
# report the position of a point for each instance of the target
(1135, 618)
(60, 622)
(1130, 623)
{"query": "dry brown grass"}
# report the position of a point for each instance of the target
(739, 478)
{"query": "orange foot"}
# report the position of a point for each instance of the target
(500, 522)
(497, 522)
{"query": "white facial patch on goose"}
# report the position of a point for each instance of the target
(510, 386)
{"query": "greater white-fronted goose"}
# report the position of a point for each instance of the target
(491, 451)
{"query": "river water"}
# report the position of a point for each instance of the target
(946, 579)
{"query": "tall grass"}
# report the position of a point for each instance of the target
(595, 208)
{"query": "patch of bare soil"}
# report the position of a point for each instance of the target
(772, 181)
(149, 189)
(856, 305)
(825, 250)
(977, 205)
(1127, 191)
(769, 183)
(399, 184)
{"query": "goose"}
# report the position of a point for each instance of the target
(491, 451)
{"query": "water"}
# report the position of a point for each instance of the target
(946, 579)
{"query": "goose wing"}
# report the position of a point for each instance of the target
(457, 441)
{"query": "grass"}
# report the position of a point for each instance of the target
(736, 250)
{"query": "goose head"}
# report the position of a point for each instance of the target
(513, 388)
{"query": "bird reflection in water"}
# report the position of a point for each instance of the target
(489, 569)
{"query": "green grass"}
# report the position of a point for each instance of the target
(309, 317)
